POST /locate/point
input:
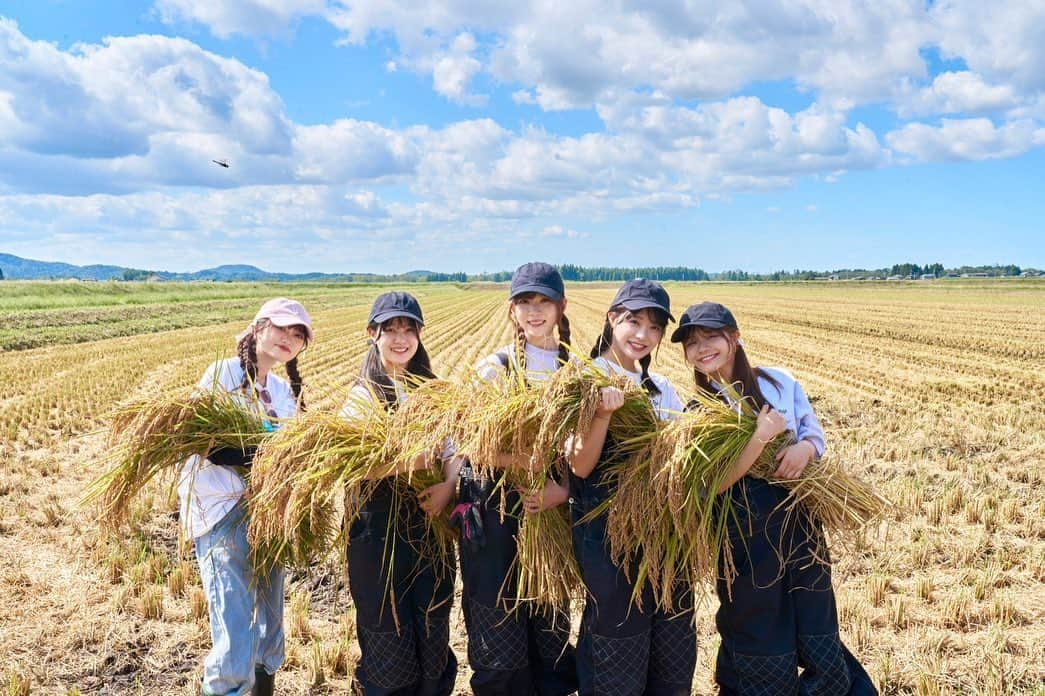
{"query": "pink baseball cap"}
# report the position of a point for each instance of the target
(283, 312)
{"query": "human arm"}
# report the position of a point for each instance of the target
(436, 497)
(809, 434)
(551, 495)
(587, 447)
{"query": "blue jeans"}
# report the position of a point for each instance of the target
(246, 613)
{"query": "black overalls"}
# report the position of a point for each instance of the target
(782, 615)
(520, 652)
(622, 650)
(411, 657)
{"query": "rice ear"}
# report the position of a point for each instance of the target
(155, 436)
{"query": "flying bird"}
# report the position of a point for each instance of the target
(221, 163)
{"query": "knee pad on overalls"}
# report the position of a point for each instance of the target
(766, 675)
(496, 639)
(619, 664)
(673, 651)
(389, 659)
(434, 646)
(823, 661)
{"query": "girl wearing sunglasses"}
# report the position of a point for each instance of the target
(246, 612)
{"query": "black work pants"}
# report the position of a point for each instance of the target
(781, 615)
(403, 602)
(624, 650)
(513, 650)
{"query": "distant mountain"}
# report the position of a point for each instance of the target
(15, 267)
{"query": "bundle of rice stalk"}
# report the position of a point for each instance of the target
(841, 502)
(546, 573)
(570, 399)
(156, 435)
(498, 417)
(300, 475)
(430, 417)
(682, 543)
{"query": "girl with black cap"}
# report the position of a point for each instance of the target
(779, 614)
(402, 599)
(513, 650)
(246, 611)
(622, 649)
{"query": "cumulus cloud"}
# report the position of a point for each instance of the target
(966, 139)
(957, 92)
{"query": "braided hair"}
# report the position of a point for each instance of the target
(247, 350)
(563, 327)
(605, 340)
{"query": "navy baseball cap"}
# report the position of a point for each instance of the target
(395, 304)
(708, 315)
(541, 278)
(643, 294)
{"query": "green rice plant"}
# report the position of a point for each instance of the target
(157, 435)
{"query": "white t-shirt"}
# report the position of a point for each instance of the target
(540, 364)
(208, 491)
(667, 403)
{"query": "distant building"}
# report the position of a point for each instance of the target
(927, 276)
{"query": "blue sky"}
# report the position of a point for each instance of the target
(388, 135)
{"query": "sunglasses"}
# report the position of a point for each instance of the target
(266, 399)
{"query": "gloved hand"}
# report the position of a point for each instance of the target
(468, 518)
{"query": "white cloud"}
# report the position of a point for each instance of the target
(957, 92)
(966, 139)
(452, 72)
(246, 17)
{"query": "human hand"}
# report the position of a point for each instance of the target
(435, 498)
(794, 459)
(769, 424)
(610, 399)
(550, 496)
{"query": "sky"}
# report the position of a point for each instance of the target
(459, 135)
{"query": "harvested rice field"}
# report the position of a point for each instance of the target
(932, 391)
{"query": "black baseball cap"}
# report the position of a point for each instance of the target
(709, 315)
(542, 278)
(395, 304)
(643, 294)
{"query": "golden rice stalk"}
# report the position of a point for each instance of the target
(497, 417)
(570, 399)
(301, 474)
(156, 435)
(678, 476)
(547, 573)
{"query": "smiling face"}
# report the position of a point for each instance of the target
(397, 340)
(278, 344)
(538, 316)
(635, 335)
(712, 351)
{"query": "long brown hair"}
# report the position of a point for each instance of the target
(247, 350)
(745, 377)
(563, 327)
(605, 340)
(372, 373)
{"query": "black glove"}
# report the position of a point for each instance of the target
(468, 518)
(230, 456)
